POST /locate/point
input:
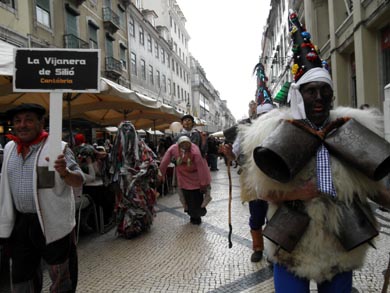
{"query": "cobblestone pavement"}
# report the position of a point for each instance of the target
(175, 256)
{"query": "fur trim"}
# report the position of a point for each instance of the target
(319, 254)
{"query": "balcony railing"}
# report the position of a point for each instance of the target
(125, 2)
(72, 41)
(113, 67)
(110, 19)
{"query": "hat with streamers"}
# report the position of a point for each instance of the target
(263, 95)
(306, 54)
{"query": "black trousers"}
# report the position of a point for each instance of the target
(28, 248)
(194, 199)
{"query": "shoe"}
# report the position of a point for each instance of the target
(195, 221)
(257, 256)
(203, 212)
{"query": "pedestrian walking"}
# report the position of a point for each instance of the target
(197, 137)
(257, 207)
(37, 209)
(193, 176)
(320, 222)
(212, 153)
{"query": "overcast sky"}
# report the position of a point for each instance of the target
(226, 40)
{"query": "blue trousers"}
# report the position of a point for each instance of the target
(258, 211)
(287, 282)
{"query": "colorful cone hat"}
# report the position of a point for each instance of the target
(306, 55)
(263, 95)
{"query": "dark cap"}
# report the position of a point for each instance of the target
(38, 109)
(188, 116)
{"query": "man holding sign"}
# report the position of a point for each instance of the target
(37, 209)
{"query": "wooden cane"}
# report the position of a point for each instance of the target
(387, 277)
(230, 204)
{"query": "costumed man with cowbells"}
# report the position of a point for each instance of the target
(317, 168)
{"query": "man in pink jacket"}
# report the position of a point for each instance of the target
(193, 175)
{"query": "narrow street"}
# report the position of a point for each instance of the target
(176, 256)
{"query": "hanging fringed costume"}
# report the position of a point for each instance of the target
(134, 171)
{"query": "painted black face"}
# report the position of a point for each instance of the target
(318, 98)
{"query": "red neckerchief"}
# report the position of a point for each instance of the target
(24, 147)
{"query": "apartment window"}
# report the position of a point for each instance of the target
(164, 83)
(93, 36)
(143, 69)
(141, 36)
(132, 27)
(109, 47)
(122, 54)
(43, 12)
(385, 54)
(122, 17)
(171, 20)
(174, 89)
(182, 94)
(9, 3)
(162, 56)
(169, 86)
(173, 65)
(158, 79)
(149, 43)
(181, 72)
(175, 47)
(175, 27)
(133, 63)
(178, 91)
(151, 74)
(138, 3)
(72, 29)
(156, 50)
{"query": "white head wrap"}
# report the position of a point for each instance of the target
(183, 138)
(294, 95)
(264, 108)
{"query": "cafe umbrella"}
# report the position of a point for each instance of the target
(112, 105)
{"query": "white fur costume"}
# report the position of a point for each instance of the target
(319, 254)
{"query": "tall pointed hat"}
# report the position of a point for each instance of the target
(263, 95)
(307, 67)
(306, 54)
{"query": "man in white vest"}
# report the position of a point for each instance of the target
(37, 210)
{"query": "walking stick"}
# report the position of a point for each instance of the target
(230, 204)
(387, 277)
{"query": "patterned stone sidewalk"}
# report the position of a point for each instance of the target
(175, 256)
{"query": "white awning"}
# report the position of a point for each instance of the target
(6, 58)
(156, 132)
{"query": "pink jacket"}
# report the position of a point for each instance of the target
(191, 169)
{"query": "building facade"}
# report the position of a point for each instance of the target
(206, 101)
(352, 36)
(71, 24)
(143, 43)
